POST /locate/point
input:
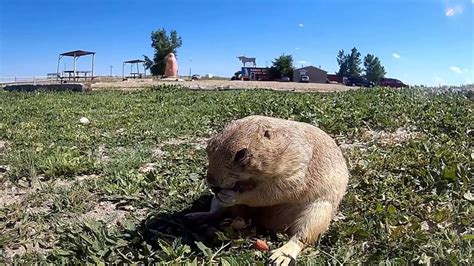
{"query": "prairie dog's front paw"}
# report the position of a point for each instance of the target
(285, 255)
(227, 197)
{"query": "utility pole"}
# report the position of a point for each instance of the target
(190, 61)
(111, 67)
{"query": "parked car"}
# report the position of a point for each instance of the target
(359, 81)
(196, 77)
(304, 78)
(237, 76)
(284, 79)
(393, 83)
(334, 79)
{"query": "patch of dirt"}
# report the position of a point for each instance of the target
(147, 168)
(3, 145)
(38, 239)
(197, 143)
(176, 141)
(81, 178)
(158, 152)
(20, 250)
(112, 212)
(39, 210)
(349, 146)
(401, 135)
(11, 193)
(66, 183)
(224, 85)
(105, 211)
(3, 171)
(103, 157)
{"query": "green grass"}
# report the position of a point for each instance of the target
(407, 202)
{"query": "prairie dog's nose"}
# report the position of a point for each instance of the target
(211, 180)
(214, 189)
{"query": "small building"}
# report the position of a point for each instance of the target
(316, 75)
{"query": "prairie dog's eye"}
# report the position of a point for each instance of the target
(240, 155)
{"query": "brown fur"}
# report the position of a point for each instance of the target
(294, 176)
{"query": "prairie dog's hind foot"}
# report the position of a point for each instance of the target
(200, 218)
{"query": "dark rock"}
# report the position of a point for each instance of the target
(76, 87)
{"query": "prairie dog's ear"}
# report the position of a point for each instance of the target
(267, 134)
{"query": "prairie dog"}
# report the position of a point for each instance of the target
(289, 176)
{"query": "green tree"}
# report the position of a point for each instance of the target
(282, 66)
(349, 64)
(162, 45)
(353, 63)
(342, 61)
(374, 71)
(148, 62)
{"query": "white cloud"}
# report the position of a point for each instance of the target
(302, 62)
(449, 12)
(454, 10)
(297, 48)
(456, 70)
(301, 25)
(395, 55)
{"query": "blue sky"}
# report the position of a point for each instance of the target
(418, 41)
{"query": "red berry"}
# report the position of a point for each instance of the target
(261, 245)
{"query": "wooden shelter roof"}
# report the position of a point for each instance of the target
(134, 61)
(77, 53)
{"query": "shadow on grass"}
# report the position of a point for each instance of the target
(171, 226)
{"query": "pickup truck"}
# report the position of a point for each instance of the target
(304, 78)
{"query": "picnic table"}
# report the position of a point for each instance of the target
(135, 75)
(79, 74)
(74, 73)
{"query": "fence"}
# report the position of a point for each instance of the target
(28, 80)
